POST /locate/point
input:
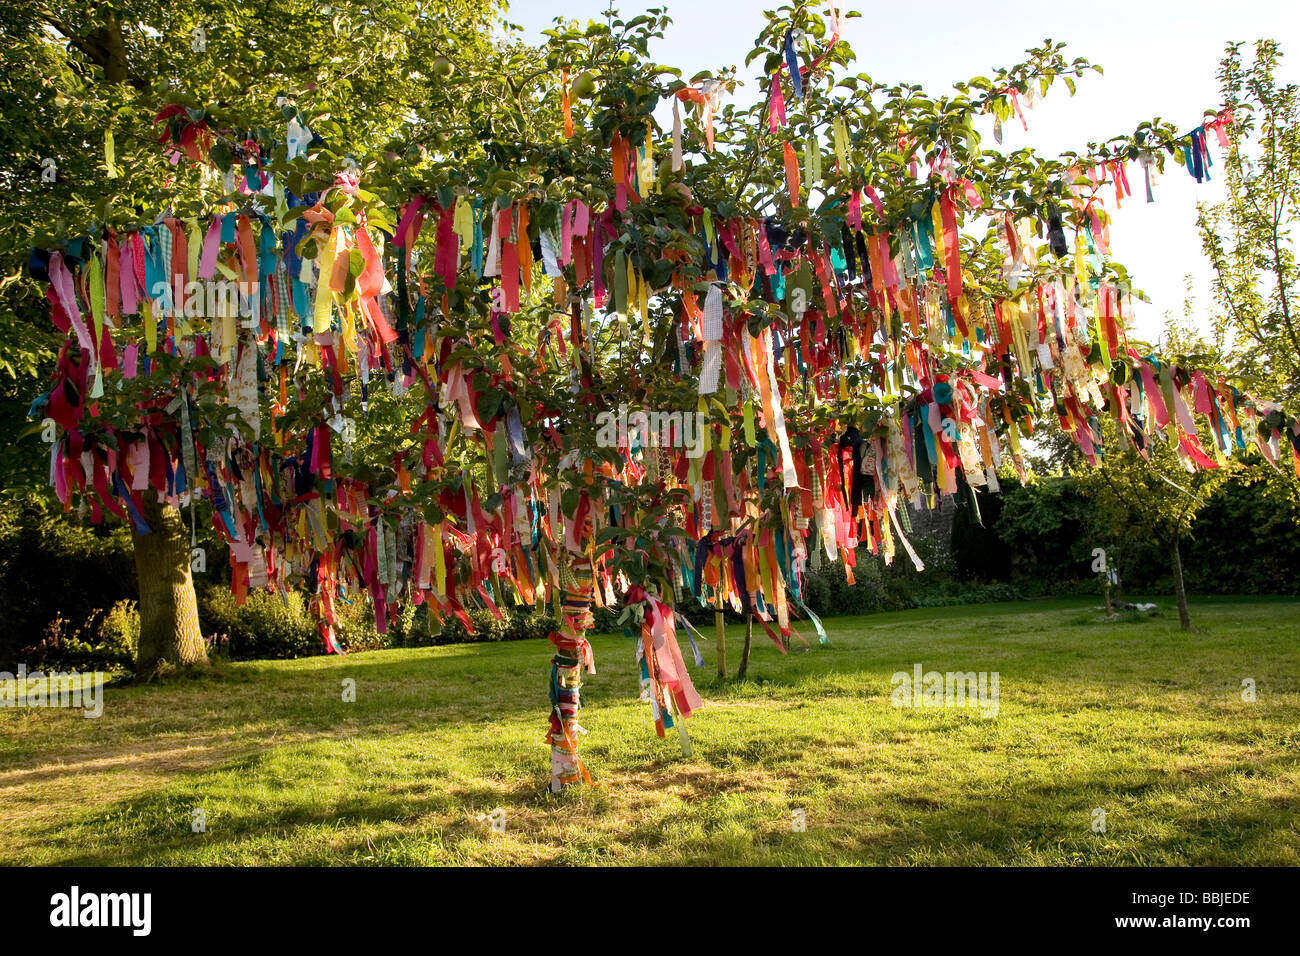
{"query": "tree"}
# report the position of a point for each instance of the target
(83, 150)
(878, 349)
(1155, 496)
(1155, 486)
(1249, 237)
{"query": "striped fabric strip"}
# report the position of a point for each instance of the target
(282, 327)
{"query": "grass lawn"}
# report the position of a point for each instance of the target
(1135, 718)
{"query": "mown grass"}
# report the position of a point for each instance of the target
(1136, 718)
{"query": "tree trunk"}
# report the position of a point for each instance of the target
(169, 612)
(1180, 591)
(721, 626)
(744, 654)
(111, 42)
(105, 46)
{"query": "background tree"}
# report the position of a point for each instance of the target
(493, 130)
(1155, 492)
(1249, 237)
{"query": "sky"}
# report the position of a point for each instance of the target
(1160, 59)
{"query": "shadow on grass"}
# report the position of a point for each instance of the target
(263, 704)
(315, 776)
(1152, 818)
(724, 806)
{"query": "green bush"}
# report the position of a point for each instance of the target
(60, 578)
(1245, 541)
(967, 594)
(1045, 526)
(606, 620)
(267, 626)
(119, 633)
(67, 647)
(979, 552)
(272, 625)
(827, 591)
(356, 629)
(515, 625)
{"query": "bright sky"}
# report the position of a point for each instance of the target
(1160, 59)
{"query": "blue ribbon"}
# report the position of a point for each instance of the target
(792, 61)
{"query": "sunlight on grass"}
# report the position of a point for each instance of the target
(1134, 717)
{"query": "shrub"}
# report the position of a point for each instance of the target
(967, 594)
(1245, 541)
(104, 641)
(267, 625)
(827, 591)
(119, 634)
(1045, 525)
(57, 574)
(515, 625)
(606, 620)
(979, 552)
(356, 628)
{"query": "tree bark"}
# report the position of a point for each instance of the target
(105, 46)
(1180, 591)
(109, 40)
(721, 626)
(169, 611)
(744, 654)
